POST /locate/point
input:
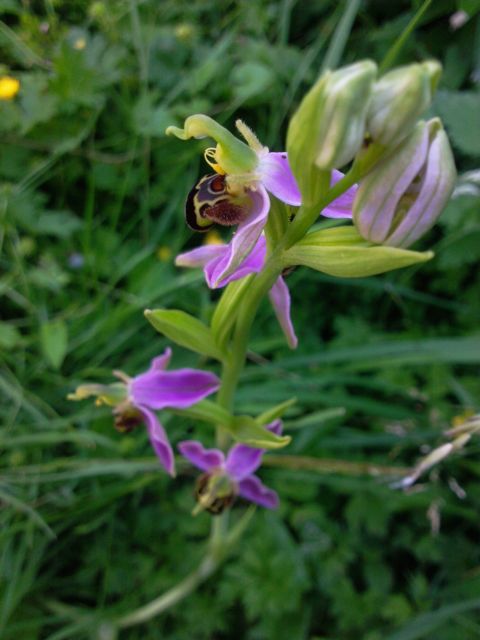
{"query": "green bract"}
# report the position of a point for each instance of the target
(232, 155)
(342, 252)
(184, 330)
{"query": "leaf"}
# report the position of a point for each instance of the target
(184, 330)
(342, 252)
(54, 342)
(206, 411)
(148, 119)
(275, 412)
(9, 336)
(57, 223)
(460, 112)
(38, 103)
(425, 624)
(251, 79)
(455, 350)
(245, 429)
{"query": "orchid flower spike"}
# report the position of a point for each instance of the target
(134, 400)
(225, 477)
(237, 193)
(211, 258)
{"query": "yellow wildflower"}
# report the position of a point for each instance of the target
(9, 87)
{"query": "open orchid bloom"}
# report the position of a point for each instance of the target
(134, 400)
(237, 194)
(210, 257)
(228, 476)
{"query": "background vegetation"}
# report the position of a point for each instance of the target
(91, 197)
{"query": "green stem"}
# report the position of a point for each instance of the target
(171, 597)
(307, 215)
(233, 366)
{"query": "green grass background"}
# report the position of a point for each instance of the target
(90, 527)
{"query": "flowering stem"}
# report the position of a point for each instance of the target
(208, 566)
(221, 540)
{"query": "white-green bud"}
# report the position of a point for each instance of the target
(347, 96)
(399, 98)
(328, 128)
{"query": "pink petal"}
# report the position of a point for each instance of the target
(243, 460)
(434, 191)
(253, 489)
(201, 256)
(161, 362)
(179, 389)
(280, 299)
(342, 206)
(275, 427)
(378, 213)
(204, 459)
(277, 177)
(253, 263)
(245, 238)
(159, 440)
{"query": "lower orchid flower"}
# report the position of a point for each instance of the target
(237, 193)
(225, 477)
(211, 257)
(134, 400)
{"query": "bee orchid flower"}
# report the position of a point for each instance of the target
(238, 192)
(226, 476)
(135, 400)
(211, 257)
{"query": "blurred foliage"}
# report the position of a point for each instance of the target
(91, 197)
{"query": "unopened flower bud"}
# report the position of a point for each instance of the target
(402, 197)
(399, 98)
(328, 128)
(342, 120)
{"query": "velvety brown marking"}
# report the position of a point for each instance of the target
(218, 505)
(127, 420)
(226, 213)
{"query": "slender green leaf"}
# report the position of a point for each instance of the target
(206, 411)
(424, 625)
(54, 342)
(340, 35)
(245, 429)
(275, 412)
(184, 330)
